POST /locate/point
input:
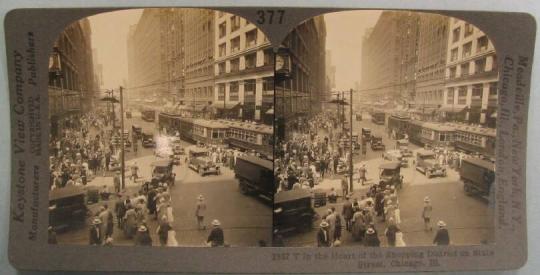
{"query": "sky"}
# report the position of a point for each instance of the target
(109, 39)
(344, 32)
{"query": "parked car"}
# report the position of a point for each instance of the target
(199, 161)
(477, 175)
(255, 176)
(293, 211)
(427, 164)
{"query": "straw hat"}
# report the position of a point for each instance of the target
(200, 197)
(426, 199)
(324, 224)
(216, 223)
(142, 228)
(370, 231)
(96, 221)
(441, 224)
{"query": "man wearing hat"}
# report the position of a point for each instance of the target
(442, 237)
(426, 214)
(200, 211)
(347, 213)
(96, 235)
(371, 238)
(142, 237)
(216, 237)
(116, 181)
(323, 236)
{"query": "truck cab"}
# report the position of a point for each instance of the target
(477, 175)
(427, 164)
(293, 211)
(255, 176)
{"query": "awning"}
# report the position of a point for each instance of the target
(494, 115)
(227, 106)
(452, 108)
(270, 112)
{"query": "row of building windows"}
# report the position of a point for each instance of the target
(249, 89)
(250, 62)
(456, 33)
(235, 45)
(480, 66)
(481, 46)
(476, 95)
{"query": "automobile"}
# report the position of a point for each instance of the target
(199, 161)
(175, 159)
(403, 146)
(377, 144)
(395, 155)
(148, 140)
(477, 175)
(67, 207)
(366, 135)
(136, 130)
(162, 171)
(427, 164)
(255, 176)
(390, 174)
(293, 211)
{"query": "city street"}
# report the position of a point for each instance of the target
(468, 217)
(245, 219)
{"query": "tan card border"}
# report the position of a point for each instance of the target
(513, 35)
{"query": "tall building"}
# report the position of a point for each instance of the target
(244, 70)
(302, 95)
(471, 71)
(432, 51)
(147, 76)
(389, 55)
(173, 50)
(72, 89)
(330, 70)
(199, 59)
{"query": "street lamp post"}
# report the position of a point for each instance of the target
(351, 141)
(122, 147)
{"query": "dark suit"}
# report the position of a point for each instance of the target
(120, 210)
(95, 235)
(216, 237)
(323, 238)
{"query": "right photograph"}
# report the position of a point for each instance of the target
(385, 132)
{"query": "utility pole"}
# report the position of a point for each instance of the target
(351, 142)
(122, 147)
(338, 103)
(342, 111)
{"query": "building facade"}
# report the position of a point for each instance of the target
(304, 92)
(389, 56)
(432, 52)
(147, 76)
(199, 59)
(244, 70)
(471, 90)
(72, 88)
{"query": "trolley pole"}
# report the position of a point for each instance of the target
(122, 147)
(351, 170)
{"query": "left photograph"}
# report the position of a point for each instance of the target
(161, 130)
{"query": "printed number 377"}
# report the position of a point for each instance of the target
(270, 16)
